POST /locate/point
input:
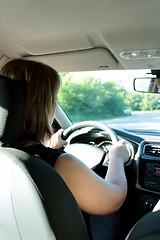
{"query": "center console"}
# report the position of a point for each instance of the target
(148, 161)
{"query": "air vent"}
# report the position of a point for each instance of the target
(152, 150)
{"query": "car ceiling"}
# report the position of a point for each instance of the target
(76, 35)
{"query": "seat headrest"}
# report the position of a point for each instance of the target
(12, 101)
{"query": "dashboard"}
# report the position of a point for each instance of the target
(143, 174)
(147, 159)
(142, 170)
(148, 166)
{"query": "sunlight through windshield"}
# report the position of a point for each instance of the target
(109, 97)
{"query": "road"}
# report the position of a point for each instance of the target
(146, 121)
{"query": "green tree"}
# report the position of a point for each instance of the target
(142, 101)
(114, 99)
(81, 96)
(84, 97)
(133, 101)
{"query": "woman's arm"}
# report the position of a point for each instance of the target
(94, 194)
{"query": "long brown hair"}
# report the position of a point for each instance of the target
(42, 85)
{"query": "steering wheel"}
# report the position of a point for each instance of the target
(94, 124)
(89, 154)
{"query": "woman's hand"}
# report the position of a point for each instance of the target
(119, 151)
(56, 140)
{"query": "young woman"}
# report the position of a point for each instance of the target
(95, 196)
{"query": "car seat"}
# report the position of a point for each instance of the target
(147, 228)
(35, 202)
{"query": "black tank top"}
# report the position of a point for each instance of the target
(49, 155)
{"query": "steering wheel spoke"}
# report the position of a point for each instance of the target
(89, 154)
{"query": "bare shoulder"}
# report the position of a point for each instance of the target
(69, 167)
(69, 161)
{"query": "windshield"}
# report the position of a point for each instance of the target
(109, 97)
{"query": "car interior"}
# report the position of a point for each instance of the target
(76, 36)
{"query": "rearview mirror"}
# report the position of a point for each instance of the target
(148, 85)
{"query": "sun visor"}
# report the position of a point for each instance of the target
(82, 60)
